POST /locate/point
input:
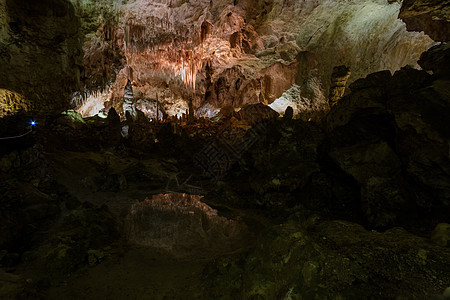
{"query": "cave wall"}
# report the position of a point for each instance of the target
(235, 52)
(40, 55)
(430, 16)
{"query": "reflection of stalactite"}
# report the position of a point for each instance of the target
(102, 58)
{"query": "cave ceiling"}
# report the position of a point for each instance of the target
(231, 53)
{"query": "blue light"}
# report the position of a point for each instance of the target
(33, 123)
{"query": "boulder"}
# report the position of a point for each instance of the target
(437, 60)
(366, 94)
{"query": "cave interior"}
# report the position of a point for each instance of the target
(225, 149)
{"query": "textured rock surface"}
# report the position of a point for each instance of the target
(12, 102)
(412, 102)
(339, 79)
(316, 259)
(430, 16)
(374, 159)
(241, 52)
(250, 48)
(40, 54)
(441, 235)
(378, 162)
(436, 59)
(182, 225)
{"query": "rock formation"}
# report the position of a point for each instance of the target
(218, 44)
(231, 56)
(40, 55)
(240, 171)
(339, 79)
(430, 16)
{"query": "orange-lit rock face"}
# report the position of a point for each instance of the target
(183, 225)
(229, 52)
(430, 16)
(12, 102)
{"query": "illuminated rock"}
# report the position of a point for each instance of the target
(222, 53)
(92, 104)
(39, 54)
(128, 105)
(12, 102)
(218, 53)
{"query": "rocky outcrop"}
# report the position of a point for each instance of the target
(430, 16)
(316, 259)
(255, 113)
(183, 225)
(282, 160)
(376, 134)
(40, 54)
(397, 124)
(339, 79)
(224, 53)
(436, 60)
(441, 235)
